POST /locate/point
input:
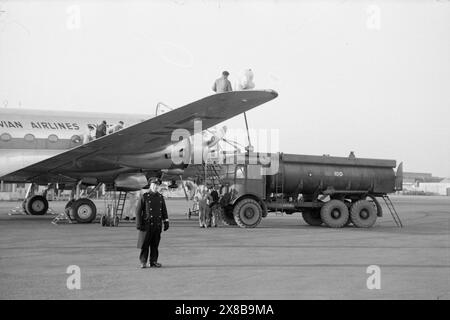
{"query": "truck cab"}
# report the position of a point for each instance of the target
(243, 195)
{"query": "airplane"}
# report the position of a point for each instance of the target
(45, 148)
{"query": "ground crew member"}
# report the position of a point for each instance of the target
(151, 216)
(222, 84)
(117, 127)
(214, 206)
(101, 130)
(202, 198)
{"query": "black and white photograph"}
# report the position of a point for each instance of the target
(224, 156)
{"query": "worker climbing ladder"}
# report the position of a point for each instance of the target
(392, 210)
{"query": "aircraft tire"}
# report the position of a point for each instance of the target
(334, 214)
(83, 210)
(247, 213)
(312, 217)
(363, 214)
(36, 205)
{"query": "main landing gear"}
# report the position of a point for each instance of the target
(33, 204)
(36, 205)
(81, 210)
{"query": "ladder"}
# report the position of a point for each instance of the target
(214, 174)
(279, 185)
(208, 172)
(120, 204)
(392, 210)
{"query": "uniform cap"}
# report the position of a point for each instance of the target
(154, 180)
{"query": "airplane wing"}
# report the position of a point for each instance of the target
(148, 136)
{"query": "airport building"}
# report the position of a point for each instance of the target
(13, 191)
(441, 188)
(425, 184)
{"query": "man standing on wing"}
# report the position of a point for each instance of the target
(222, 84)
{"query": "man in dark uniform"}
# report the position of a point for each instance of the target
(151, 216)
(213, 206)
(101, 130)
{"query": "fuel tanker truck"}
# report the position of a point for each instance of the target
(330, 191)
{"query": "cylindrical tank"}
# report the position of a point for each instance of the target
(306, 174)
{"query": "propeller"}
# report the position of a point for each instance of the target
(217, 135)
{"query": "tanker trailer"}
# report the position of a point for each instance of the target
(331, 191)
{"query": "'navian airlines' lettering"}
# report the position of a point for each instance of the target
(40, 125)
(11, 124)
(55, 125)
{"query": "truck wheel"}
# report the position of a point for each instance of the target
(312, 217)
(247, 213)
(334, 214)
(363, 214)
(83, 210)
(226, 215)
(36, 205)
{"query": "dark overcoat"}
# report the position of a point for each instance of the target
(151, 211)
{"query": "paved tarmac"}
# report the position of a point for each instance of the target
(283, 258)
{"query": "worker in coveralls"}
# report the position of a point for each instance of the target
(202, 198)
(151, 218)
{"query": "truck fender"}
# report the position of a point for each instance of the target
(377, 204)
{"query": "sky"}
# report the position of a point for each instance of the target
(371, 77)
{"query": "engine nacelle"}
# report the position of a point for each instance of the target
(163, 159)
(176, 156)
(130, 181)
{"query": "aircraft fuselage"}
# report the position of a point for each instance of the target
(30, 136)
